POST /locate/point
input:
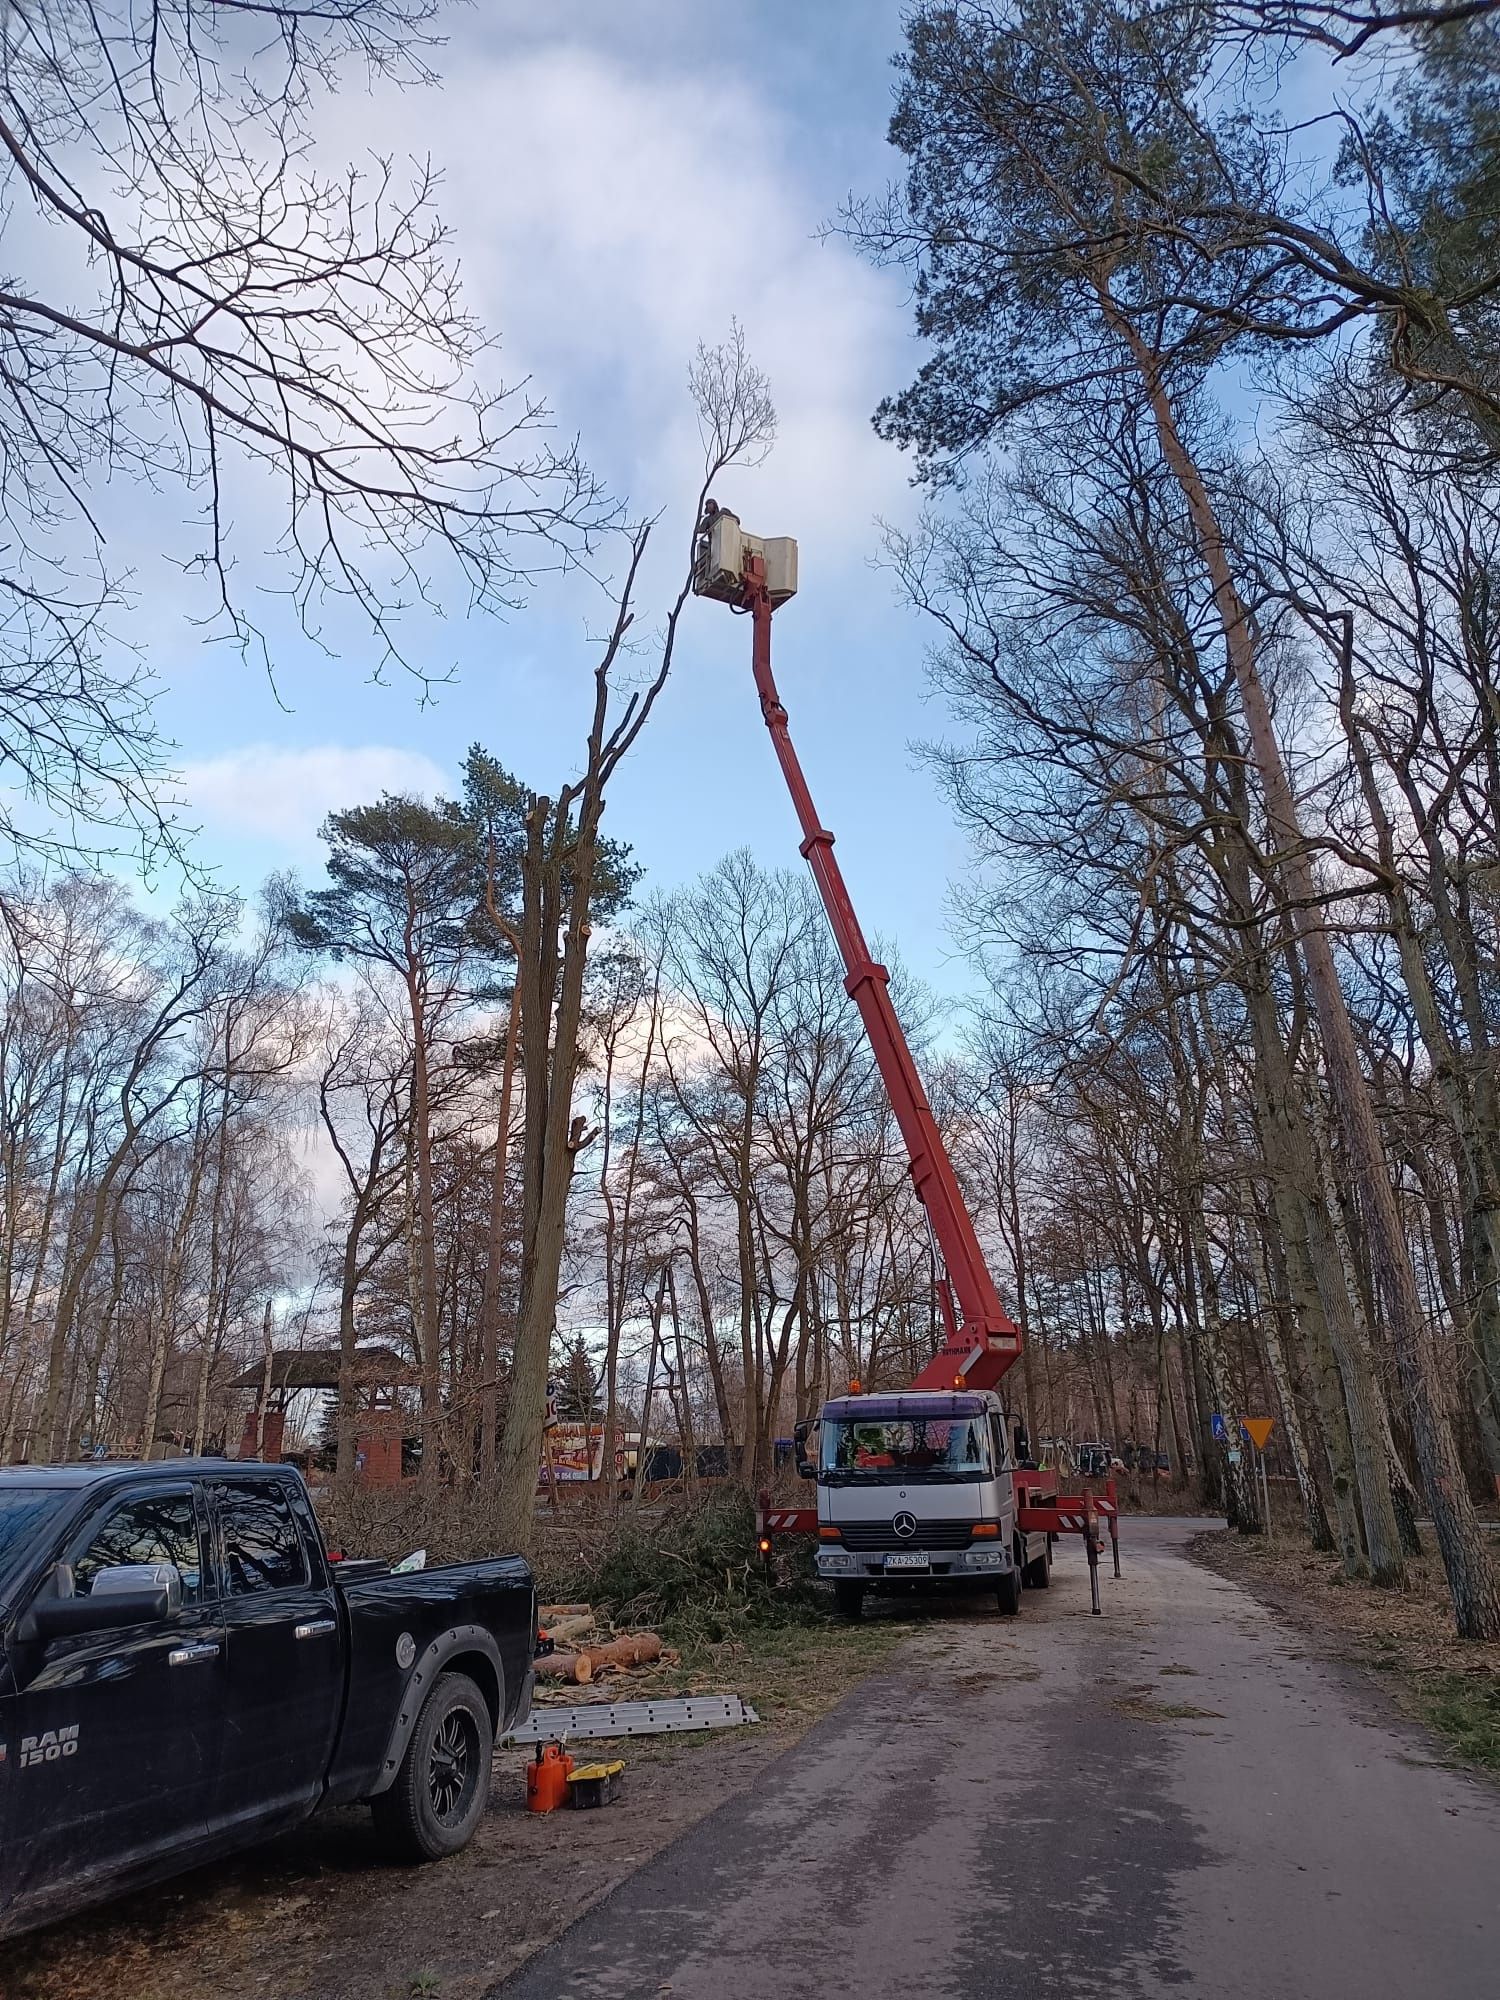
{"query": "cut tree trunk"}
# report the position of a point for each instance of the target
(635, 1649)
(489, 1321)
(571, 1667)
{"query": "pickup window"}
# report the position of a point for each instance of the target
(262, 1548)
(21, 1512)
(153, 1528)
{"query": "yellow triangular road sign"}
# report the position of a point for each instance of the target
(1258, 1429)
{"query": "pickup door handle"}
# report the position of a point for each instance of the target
(316, 1627)
(192, 1656)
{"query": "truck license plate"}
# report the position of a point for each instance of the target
(908, 1559)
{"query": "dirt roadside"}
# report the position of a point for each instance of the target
(1406, 1636)
(319, 1915)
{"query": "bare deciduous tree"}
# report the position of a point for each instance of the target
(192, 304)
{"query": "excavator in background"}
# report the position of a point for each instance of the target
(931, 1486)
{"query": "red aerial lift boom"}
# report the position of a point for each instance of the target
(981, 1341)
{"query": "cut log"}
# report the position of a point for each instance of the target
(635, 1649)
(574, 1667)
(572, 1627)
(547, 1612)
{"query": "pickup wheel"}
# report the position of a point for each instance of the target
(443, 1785)
(1008, 1593)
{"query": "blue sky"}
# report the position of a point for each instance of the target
(622, 181)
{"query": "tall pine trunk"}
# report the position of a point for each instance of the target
(1471, 1575)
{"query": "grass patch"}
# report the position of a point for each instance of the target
(788, 1672)
(1465, 1708)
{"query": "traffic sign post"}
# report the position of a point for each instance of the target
(1257, 1431)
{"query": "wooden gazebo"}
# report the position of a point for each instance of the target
(378, 1373)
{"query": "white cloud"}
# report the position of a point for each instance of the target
(609, 215)
(281, 796)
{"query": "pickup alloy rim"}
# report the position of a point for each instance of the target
(452, 1766)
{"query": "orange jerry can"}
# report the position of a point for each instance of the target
(547, 1778)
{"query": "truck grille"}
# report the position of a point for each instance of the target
(929, 1535)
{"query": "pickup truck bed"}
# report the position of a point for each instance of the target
(185, 1672)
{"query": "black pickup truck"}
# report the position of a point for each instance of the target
(184, 1671)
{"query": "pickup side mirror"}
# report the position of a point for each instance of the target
(130, 1579)
(127, 1594)
(801, 1431)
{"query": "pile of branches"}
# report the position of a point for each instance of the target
(689, 1570)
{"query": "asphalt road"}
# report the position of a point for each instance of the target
(1024, 1808)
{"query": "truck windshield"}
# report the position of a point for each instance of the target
(858, 1452)
(22, 1510)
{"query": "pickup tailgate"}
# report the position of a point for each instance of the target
(476, 1618)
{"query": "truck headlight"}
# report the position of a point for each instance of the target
(985, 1558)
(832, 1561)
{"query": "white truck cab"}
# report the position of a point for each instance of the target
(915, 1490)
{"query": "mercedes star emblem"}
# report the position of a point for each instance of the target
(904, 1525)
